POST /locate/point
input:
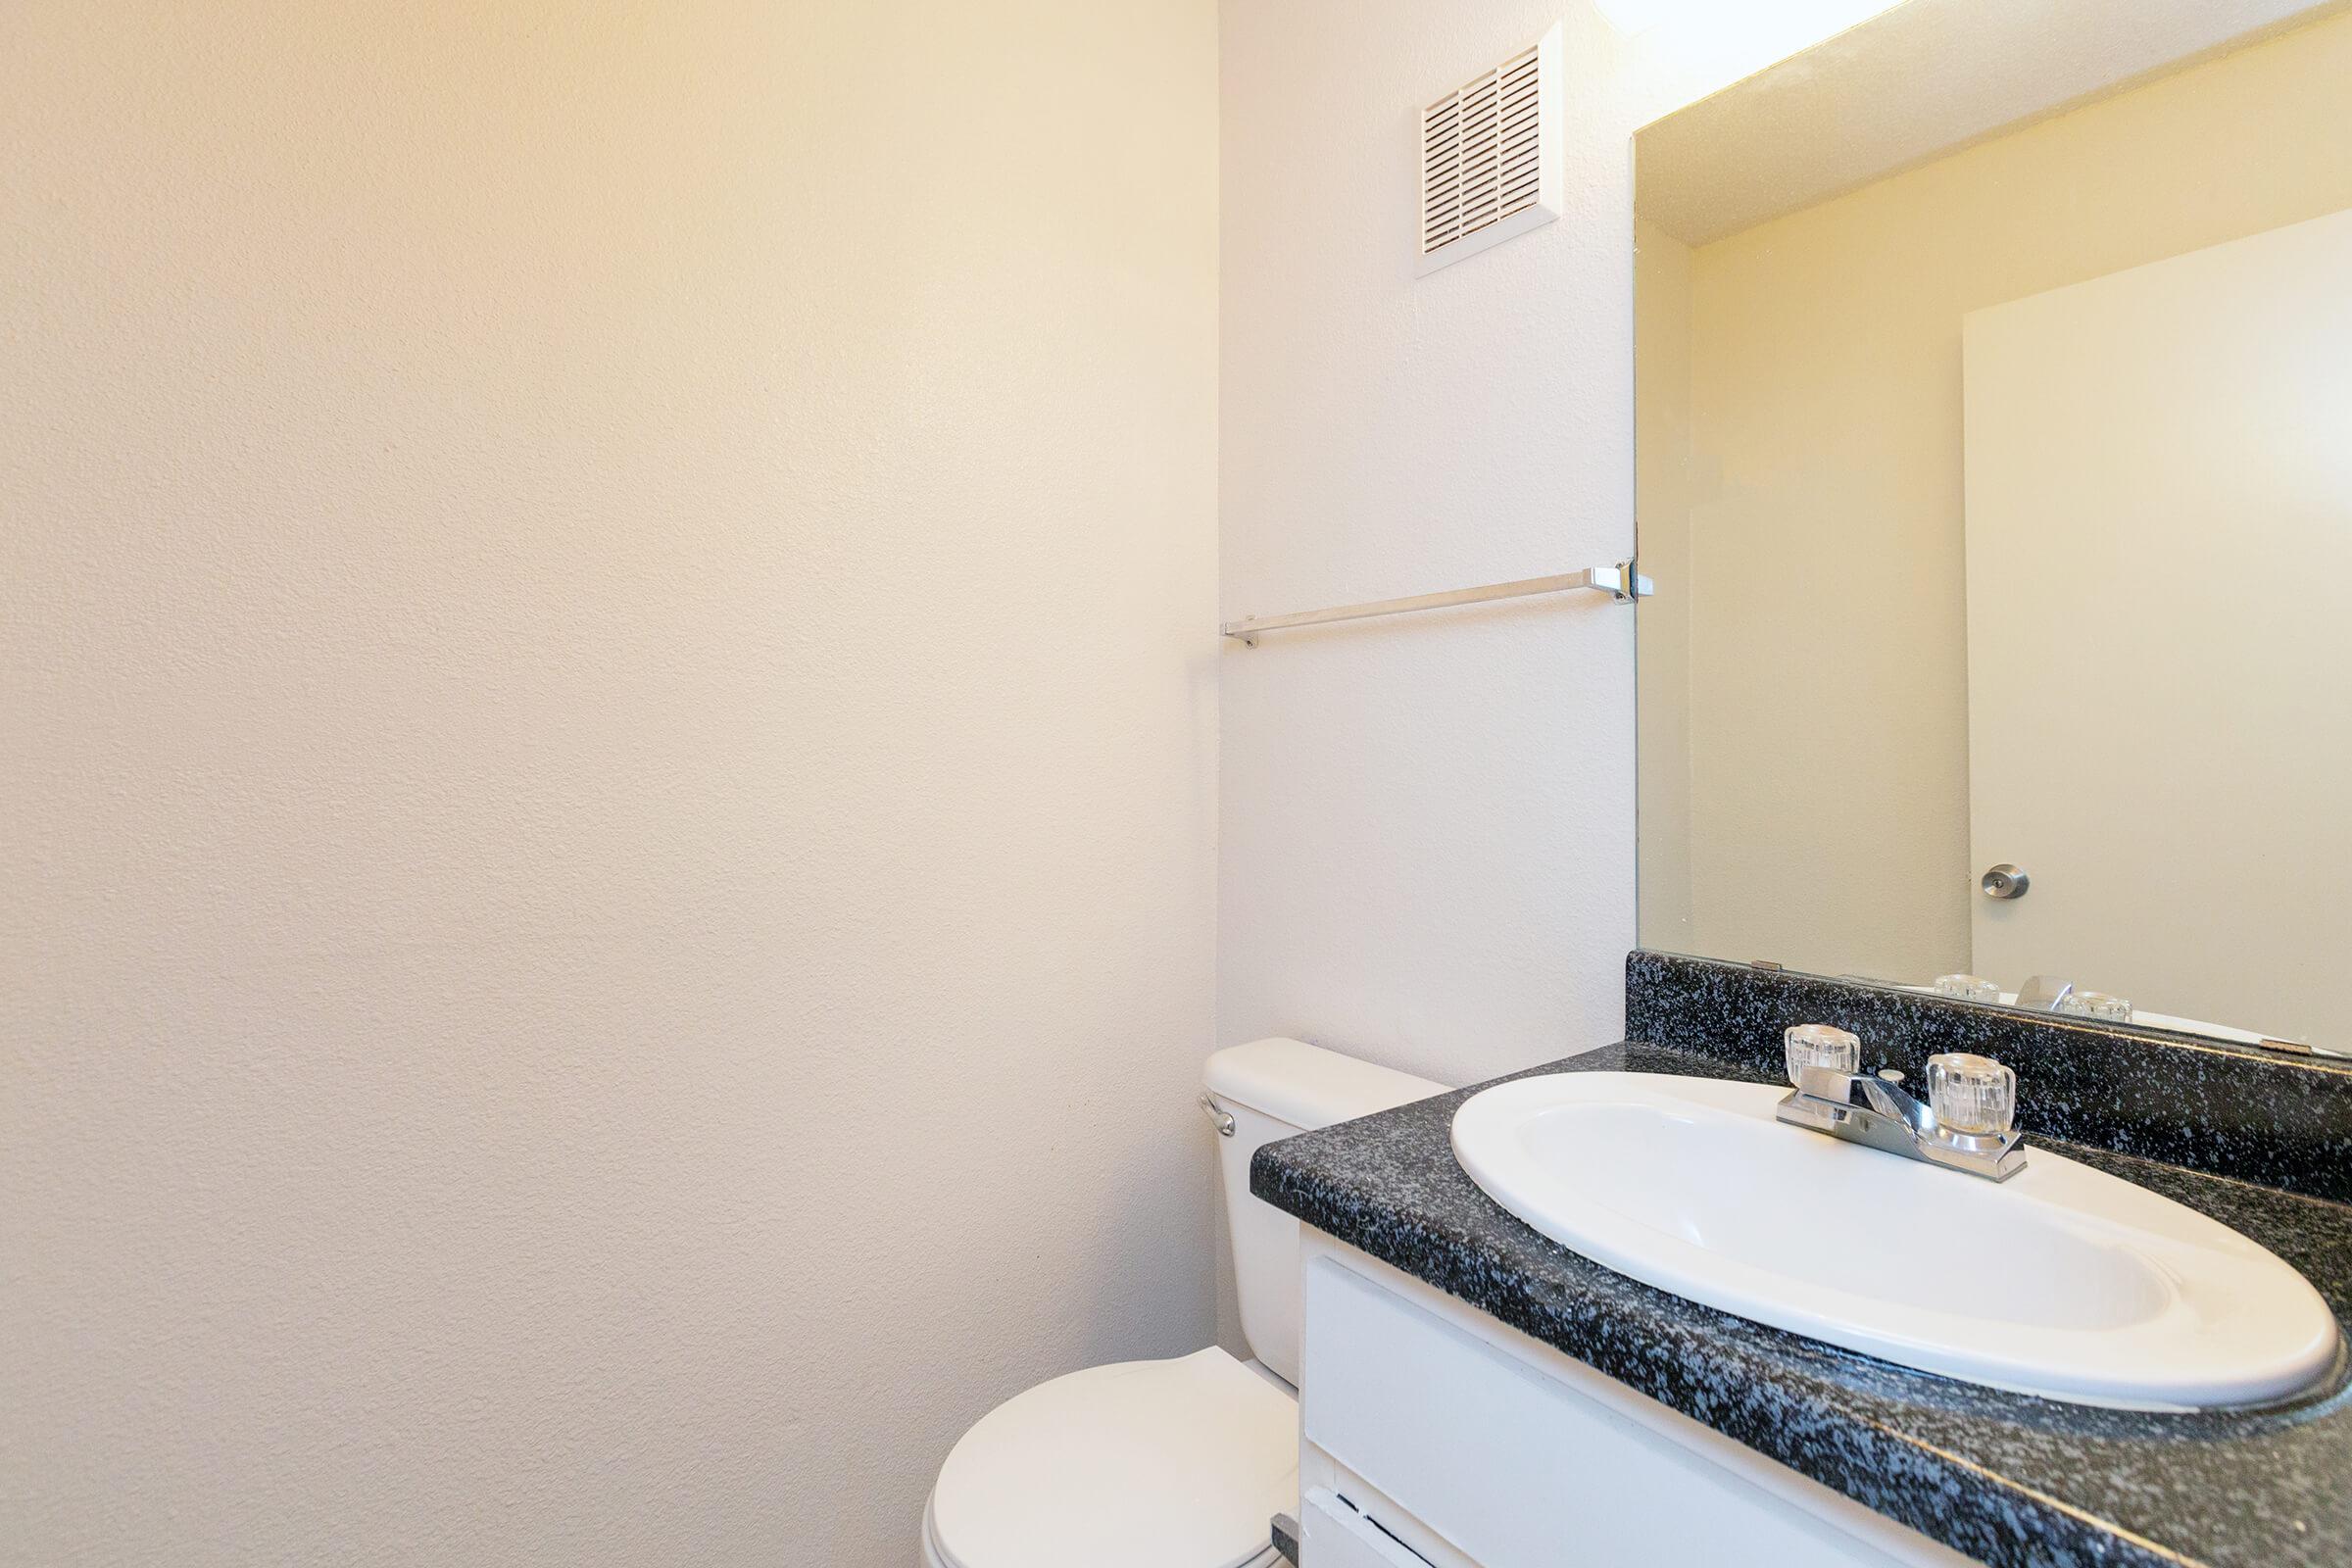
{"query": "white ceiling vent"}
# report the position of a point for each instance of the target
(1491, 155)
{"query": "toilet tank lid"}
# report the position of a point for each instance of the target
(1307, 1087)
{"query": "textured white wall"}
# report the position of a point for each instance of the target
(606, 872)
(1427, 825)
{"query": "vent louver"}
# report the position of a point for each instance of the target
(1490, 159)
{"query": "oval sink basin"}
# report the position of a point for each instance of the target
(2062, 1281)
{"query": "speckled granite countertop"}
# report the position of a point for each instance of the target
(2008, 1479)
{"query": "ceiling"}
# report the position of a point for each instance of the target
(1912, 85)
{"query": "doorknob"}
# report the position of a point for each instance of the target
(2005, 881)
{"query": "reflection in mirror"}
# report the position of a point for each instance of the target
(1994, 406)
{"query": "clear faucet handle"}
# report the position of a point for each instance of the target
(1971, 1095)
(1821, 1044)
(1967, 988)
(2097, 1004)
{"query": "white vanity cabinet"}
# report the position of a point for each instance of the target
(1433, 1434)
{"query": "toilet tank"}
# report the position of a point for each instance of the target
(1276, 1088)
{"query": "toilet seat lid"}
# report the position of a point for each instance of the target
(1149, 1464)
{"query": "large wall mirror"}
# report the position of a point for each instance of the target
(1994, 410)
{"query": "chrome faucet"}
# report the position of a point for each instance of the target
(1963, 1125)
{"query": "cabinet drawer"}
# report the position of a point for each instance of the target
(1336, 1536)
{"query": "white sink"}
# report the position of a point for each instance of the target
(2062, 1281)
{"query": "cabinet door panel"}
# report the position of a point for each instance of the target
(1514, 1468)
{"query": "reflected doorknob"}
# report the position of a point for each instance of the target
(2005, 881)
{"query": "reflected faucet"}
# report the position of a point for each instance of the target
(2044, 992)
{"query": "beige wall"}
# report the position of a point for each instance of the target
(607, 780)
(1828, 704)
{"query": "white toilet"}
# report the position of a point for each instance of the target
(1178, 1463)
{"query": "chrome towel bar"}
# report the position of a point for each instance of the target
(1620, 582)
